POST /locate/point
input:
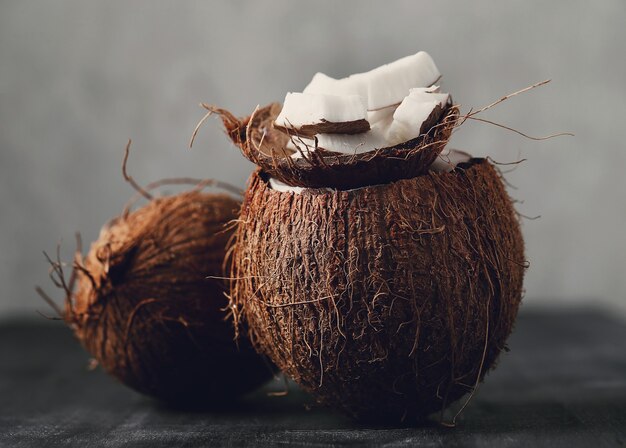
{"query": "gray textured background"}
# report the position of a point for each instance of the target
(77, 78)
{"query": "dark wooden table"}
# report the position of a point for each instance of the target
(562, 384)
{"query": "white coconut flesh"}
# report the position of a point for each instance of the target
(311, 109)
(383, 86)
(396, 100)
(413, 111)
(375, 138)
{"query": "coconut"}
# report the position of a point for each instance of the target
(150, 302)
(388, 301)
(385, 279)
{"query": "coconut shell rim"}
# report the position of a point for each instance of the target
(327, 169)
(265, 176)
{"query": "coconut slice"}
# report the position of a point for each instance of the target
(389, 84)
(376, 116)
(308, 114)
(383, 86)
(368, 141)
(322, 84)
(417, 113)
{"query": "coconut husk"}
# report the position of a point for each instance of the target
(389, 301)
(150, 303)
(263, 144)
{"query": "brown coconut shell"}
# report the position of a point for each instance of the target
(387, 302)
(263, 144)
(150, 305)
(327, 127)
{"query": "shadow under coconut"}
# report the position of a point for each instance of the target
(539, 390)
(280, 403)
(492, 417)
(276, 397)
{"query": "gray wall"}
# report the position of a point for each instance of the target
(77, 78)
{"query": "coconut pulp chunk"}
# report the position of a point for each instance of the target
(390, 83)
(371, 140)
(412, 112)
(325, 85)
(399, 97)
(368, 141)
(383, 86)
(376, 116)
(301, 109)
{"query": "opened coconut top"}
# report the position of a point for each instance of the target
(376, 127)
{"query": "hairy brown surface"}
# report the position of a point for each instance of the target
(147, 312)
(265, 146)
(388, 302)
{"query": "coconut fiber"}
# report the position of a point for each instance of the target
(149, 311)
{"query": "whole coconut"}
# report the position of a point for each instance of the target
(150, 305)
(386, 301)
